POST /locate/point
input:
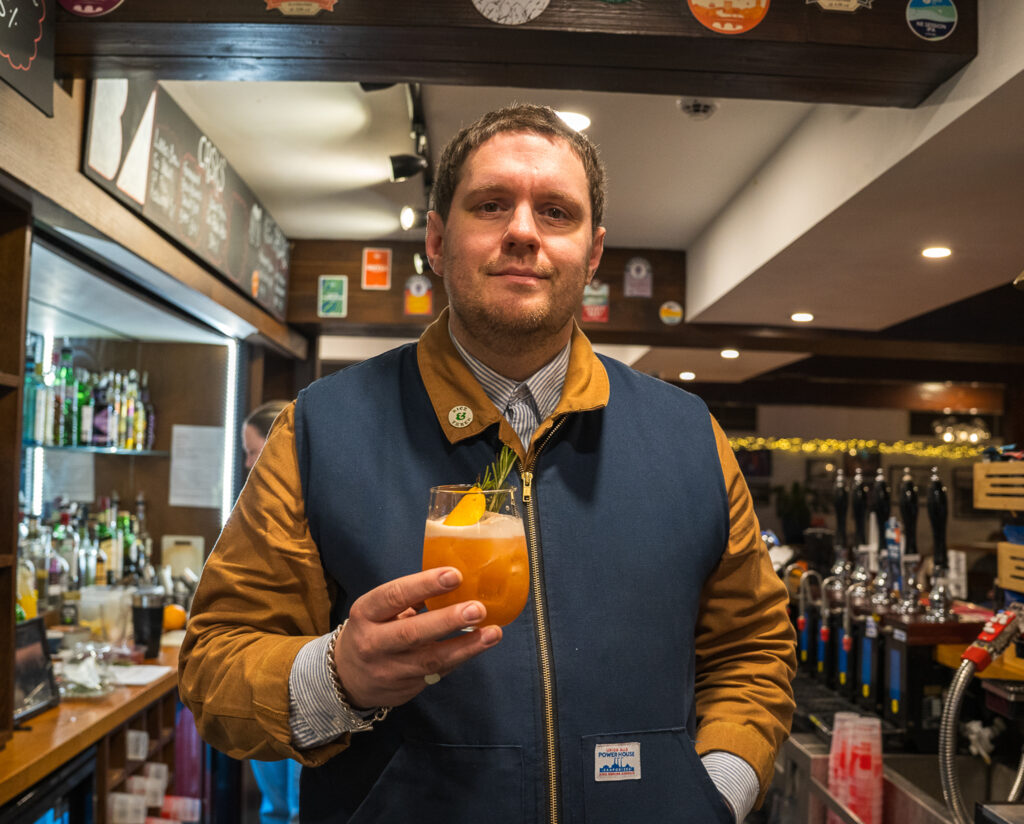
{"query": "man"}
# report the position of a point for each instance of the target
(656, 628)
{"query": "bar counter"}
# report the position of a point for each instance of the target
(58, 734)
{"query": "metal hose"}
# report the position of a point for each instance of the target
(1018, 782)
(948, 774)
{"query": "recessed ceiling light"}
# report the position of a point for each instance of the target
(801, 317)
(687, 376)
(730, 353)
(936, 252)
(575, 120)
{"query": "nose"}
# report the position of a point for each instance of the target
(521, 233)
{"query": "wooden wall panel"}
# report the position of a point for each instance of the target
(381, 312)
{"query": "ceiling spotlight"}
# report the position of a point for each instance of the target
(410, 218)
(420, 263)
(404, 166)
(687, 376)
(1019, 281)
(801, 317)
(729, 354)
(936, 252)
(574, 120)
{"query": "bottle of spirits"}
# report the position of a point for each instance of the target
(86, 408)
(117, 416)
(28, 414)
(131, 396)
(67, 546)
(150, 411)
(130, 571)
(65, 414)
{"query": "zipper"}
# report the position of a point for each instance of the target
(547, 680)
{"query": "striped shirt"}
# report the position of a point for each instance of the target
(525, 404)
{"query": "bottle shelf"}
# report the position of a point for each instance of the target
(101, 450)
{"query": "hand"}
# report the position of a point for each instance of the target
(388, 646)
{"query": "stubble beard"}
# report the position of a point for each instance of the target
(516, 331)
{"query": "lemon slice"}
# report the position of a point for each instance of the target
(469, 510)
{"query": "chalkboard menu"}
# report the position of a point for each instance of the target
(143, 149)
(26, 49)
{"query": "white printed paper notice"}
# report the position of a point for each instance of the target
(197, 466)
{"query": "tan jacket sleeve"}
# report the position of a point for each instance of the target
(746, 644)
(261, 597)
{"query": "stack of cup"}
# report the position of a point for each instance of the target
(855, 766)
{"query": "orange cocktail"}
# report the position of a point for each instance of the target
(484, 539)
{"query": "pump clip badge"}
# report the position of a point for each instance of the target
(300, 8)
(90, 8)
(931, 19)
(842, 5)
(733, 17)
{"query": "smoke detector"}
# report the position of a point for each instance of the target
(697, 109)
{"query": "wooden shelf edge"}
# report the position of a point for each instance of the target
(9, 380)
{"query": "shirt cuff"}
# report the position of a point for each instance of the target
(735, 779)
(312, 699)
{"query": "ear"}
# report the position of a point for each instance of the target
(596, 250)
(435, 243)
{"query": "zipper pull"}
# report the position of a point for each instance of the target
(527, 487)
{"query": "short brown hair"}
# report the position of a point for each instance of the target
(518, 117)
(264, 415)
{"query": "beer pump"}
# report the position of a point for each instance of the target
(939, 599)
(869, 634)
(833, 598)
(856, 603)
(910, 600)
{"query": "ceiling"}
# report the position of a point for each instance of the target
(780, 206)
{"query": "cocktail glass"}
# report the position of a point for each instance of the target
(483, 538)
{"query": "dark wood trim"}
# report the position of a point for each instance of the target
(9, 380)
(798, 52)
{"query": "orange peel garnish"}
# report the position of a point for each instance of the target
(469, 510)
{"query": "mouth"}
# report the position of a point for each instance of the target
(519, 275)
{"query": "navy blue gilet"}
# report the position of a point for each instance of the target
(633, 517)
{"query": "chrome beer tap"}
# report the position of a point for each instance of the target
(939, 599)
(910, 600)
(835, 584)
(881, 587)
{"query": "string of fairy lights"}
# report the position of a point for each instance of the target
(856, 446)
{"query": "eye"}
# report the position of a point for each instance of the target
(556, 212)
(490, 207)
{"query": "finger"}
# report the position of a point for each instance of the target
(448, 655)
(391, 599)
(398, 637)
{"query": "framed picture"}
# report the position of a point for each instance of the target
(34, 686)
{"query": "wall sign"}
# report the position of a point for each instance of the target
(419, 296)
(842, 5)
(26, 50)
(671, 313)
(730, 17)
(595, 302)
(332, 296)
(638, 279)
(143, 149)
(376, 269)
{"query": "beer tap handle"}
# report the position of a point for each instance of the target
(883, 506)
(908, 511)
(841, 501)
(859, 494)
(938, 511)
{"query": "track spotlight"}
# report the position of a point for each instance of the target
(404, 166)
(410, 218)
(420, 263)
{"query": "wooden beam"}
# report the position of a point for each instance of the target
(799, 51)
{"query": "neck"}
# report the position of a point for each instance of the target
(515, 362)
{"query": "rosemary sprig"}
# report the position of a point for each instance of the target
(497, 472)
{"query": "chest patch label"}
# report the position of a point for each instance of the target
(617, 762)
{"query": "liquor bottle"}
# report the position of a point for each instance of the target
(26, 591)
(67, 548)
(57, 575)
(130, 571)
(101, 412)
(143, 541)
(131, 395)
(32, 382)
(105, 558)
(141, 415)
(86, 408)
(65, 414)
(117, 421)
(147, 402)
(45, 408)
(90, 550)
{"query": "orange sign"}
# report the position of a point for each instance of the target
(376, 268)
(301, 8)
(729, 16)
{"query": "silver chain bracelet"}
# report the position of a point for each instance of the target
(355, 720)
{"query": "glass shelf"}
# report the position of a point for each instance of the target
(102, 450)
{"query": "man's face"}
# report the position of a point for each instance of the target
(518, 247)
